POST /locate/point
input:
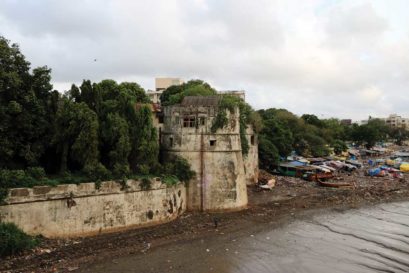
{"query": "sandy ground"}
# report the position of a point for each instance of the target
(289, 199)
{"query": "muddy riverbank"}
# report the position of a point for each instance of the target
(289, 200)
(369, 239)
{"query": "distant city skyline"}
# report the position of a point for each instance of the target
(333, 58)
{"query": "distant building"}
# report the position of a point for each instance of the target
(162, 84)
(394, 121)
(363, 122)
(154, 96)
(346, 121)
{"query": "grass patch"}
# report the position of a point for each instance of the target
(170, 179)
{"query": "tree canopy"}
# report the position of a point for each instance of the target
(175, 93)
(100, 130)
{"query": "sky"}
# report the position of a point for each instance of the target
(331, 58)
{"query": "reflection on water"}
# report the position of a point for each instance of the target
(365, 240)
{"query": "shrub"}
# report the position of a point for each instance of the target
(120, 170)
(146, 184)
(179, 167)
(339, 146)
(170, 179)
(97, 172)
(14, 240)
(12, 178)
(3, 194)
(122, 182)
(36, 172)
(143, 169)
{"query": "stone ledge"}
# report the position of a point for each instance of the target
(42, 193)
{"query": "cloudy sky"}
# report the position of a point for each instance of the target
(332, 58)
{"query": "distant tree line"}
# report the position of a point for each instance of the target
(284, 132)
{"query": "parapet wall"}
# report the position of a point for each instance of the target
(77, 210)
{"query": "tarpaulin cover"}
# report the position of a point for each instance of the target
(404, 167)
(374, 172)
(298, 163)
(390, 162)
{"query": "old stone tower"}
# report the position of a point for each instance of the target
(216, 157)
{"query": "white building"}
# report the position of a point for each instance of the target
(394, 121)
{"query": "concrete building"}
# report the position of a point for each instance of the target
(396, 121)
(346, 121)
(154, 96)
(160, 85)
(216, 157)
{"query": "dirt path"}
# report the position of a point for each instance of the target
(278, 206)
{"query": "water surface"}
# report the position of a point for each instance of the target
(365, 240)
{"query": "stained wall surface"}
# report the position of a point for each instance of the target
(251, 159)
(216, 157)
(78, 210)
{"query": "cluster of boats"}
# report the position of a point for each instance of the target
(393, 166)
(316, 169)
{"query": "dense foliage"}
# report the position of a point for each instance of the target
(97, 130)
(247, 116)
(14, 240)
(175, 93)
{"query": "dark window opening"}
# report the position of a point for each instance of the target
(171, 141)
(202, 121)
(252, 140)
(189, 122)
(161, 119)
(212, 142)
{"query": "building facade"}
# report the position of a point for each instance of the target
(221, 169)
(396, 121)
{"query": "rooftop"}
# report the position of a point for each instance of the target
(201, 101)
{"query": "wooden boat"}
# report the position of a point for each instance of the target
(320, 176)
(333, 184)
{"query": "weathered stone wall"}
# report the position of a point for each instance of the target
(251, 160)
(220, 182)
(78, 210)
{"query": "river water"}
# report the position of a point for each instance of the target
(363, 240)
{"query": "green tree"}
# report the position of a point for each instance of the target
(268, 153)
(76, 135)
(277, 131)
(369, 134)
(339, 146)
(312, 119)
(175, 94)
(115, 134)
(399, 135)
(25, 109)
